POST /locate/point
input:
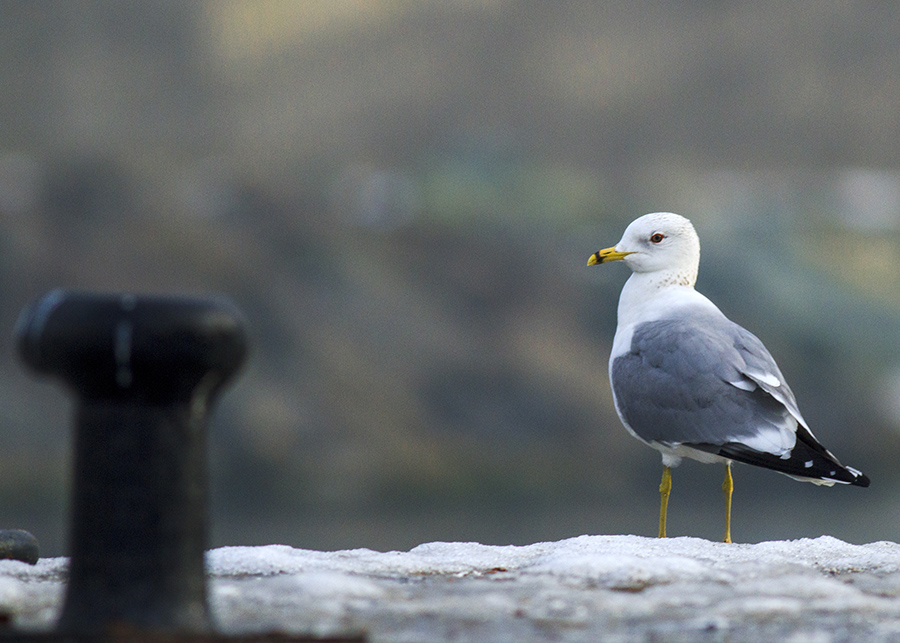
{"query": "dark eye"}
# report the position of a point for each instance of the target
(656, 237)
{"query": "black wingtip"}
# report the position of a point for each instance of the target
(861, 480)
(805, 462)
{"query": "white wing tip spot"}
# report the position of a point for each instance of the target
(765, 378)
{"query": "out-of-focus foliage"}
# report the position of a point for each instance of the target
(402, 197)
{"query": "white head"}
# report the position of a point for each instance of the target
(660, 242)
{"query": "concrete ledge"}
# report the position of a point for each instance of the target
(618, 588)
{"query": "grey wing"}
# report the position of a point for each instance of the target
(759, 369)
(703, 380)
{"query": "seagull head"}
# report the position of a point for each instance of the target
(660, 242)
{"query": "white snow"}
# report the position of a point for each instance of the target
(617, 587)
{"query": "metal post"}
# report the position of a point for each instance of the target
(144, 372)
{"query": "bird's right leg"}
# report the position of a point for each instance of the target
(728, 487)
(665, 488)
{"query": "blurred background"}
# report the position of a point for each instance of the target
(402, 196)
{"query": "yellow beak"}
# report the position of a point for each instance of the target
(606, 255)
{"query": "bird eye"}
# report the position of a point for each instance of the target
(656, 237)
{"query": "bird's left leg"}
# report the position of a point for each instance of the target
(665, 488)
(728, 487)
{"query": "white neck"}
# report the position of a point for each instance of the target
(653, 295)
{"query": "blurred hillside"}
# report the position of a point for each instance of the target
(402, 197)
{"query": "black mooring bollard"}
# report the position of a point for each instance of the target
(144, 372)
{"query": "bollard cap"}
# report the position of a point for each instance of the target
(157, 349)
(17, 544)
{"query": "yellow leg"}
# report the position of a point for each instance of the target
(665, 488)
(728, 487)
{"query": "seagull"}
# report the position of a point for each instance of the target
(691, 383)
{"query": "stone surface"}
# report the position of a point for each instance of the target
(623, 588)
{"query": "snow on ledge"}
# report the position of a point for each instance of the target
(603, 558)
(627, 587)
